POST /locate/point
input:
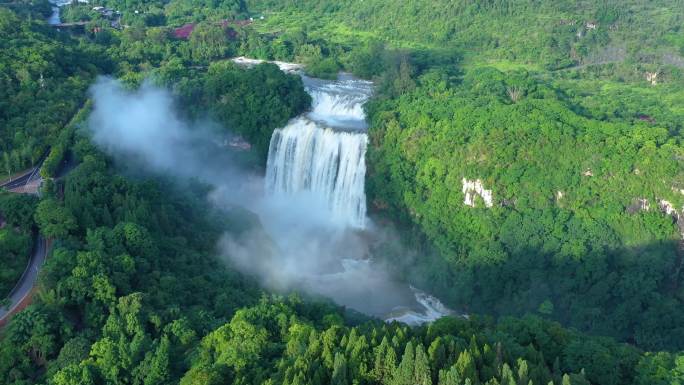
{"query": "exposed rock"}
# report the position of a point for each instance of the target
(652, 77)
(559, 195)
(508, 202)
(667, 208)
(473, 188)
(639, 204)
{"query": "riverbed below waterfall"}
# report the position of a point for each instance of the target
(315, 213)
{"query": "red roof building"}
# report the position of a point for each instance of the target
(185, 31)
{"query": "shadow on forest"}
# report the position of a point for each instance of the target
(632, 294)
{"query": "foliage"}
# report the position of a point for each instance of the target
(254, 111)
(43, 78)
(551, 114)
(124, 288)
(563, 232)
(16, 234)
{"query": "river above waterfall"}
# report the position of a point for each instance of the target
(55, 18)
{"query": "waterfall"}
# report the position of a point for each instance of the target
(323, 152)
(340, 103)
(319, 159)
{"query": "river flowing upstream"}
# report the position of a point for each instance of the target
(316, 169)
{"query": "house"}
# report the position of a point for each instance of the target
(185, 31)
(106, 12)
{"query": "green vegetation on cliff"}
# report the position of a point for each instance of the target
(574, 224)
(546, 103)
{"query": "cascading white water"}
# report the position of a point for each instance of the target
(306, 157)
(321, 156)
(323, 153)
(340, 103)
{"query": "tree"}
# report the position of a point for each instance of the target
(465, 366)
(404, 373)
(421, 370)
(340, 370)
(53, 219)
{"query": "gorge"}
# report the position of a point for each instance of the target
(319, 157)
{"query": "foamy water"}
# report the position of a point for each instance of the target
(307, 157)
(431, 309)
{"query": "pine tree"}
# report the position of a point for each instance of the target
(566, 380)
(340, 370)
(450, 377)
(523, 375)
(390, 364)
(557, 375)
(381, 370)
(475, 351)
(507, 377)
(437, 355)
(421, 368)
(466, 366)
(403, 374)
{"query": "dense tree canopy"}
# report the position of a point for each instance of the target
(564, 190)
(545, 103)
(43, 79)
(16, 237)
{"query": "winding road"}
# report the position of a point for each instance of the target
(21, 294)
(29, 179)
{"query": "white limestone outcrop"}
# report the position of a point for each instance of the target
(471, 188)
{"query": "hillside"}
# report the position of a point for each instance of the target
(523, 165)
(529, 34)
(545, 110)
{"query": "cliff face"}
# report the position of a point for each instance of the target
(471, 188)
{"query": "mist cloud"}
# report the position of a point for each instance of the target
(297, 245)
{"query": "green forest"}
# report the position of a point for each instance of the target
(569, 113)
(16, 233)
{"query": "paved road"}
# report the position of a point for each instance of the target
(28, 279)
(22, 180)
